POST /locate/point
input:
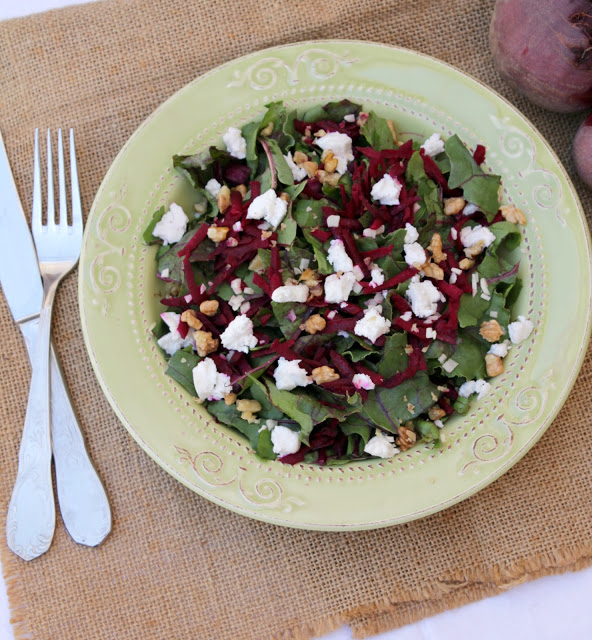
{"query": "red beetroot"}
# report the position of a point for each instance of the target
(543, 48)
(582, 151)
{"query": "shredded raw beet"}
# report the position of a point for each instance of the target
(195, 240)
(282, 250)
(479, 154)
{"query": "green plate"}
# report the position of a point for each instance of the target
(119, 298)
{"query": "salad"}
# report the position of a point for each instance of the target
(337, 293)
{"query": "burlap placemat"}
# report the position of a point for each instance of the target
(175, 565)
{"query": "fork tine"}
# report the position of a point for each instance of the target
(37, 201)
(76, 204)
(62, 183)
(50, 193)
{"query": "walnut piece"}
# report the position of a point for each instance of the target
(433, 271)
(407, 437)
(315, 323)
(491, 330)
(324, 177)
(191, 319)
(205, 343)
(435, 248)
(310, 167)
(310, 278)
(493, 365)
(267, 131)
(241, 188)
(452, 206)
(329, 162)
(299, 157)
(223, 199)
(324, 374)
(257, 264)
(248, 409)
(513, 214)
(466, 263)
(217, 234)
(230, 398)
(436, 413)
(209, 307)
(475, 250)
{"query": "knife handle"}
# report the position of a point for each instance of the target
(30, 521)
(83, 502)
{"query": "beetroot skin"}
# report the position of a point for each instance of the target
(582, 151)
(543, 48)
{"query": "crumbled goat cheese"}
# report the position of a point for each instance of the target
(289, 374)
(236, 284)
(237, 226)
(387, 190)
(171, 227)
(333, 221)
(171, 342)
(338, 258)
(439, 424)
(470, 236)
(407, 316)
(469, 209)
(372, 233)
(290, 293)
(299, 173)
(268, 206)
(453, 233)
(236, 145)
(474, 283)
(331, 315)
(372, 325)
(433, 145)
(285, 441)
(238, 335)
(341, 146)
(363, 381)
(209, 383)
(381, 445)
(165, 273)
(480, 387)
(500, 349)
(484, 286)
(269, 425)
(414, 254)
(338, 286)
(213, 187)
(235, 302)
(412, 234)
(424, 297)
(350, 117)
(304, 263)
(450, 365)
(520, 329)
(377, 277)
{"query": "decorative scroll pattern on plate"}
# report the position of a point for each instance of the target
(105, 275)
(320, 64)
(258, 492)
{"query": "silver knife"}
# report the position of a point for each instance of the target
(83, 502)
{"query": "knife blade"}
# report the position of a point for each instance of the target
(19, 271)
(83, 502)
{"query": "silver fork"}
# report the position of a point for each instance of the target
(31, 513)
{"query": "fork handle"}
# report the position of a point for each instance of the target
(83, 502)
(30, 522)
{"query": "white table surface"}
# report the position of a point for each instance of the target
(552, 608)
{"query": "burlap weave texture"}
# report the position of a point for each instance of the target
(176, 566)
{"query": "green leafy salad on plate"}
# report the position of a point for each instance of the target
(336, 293)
